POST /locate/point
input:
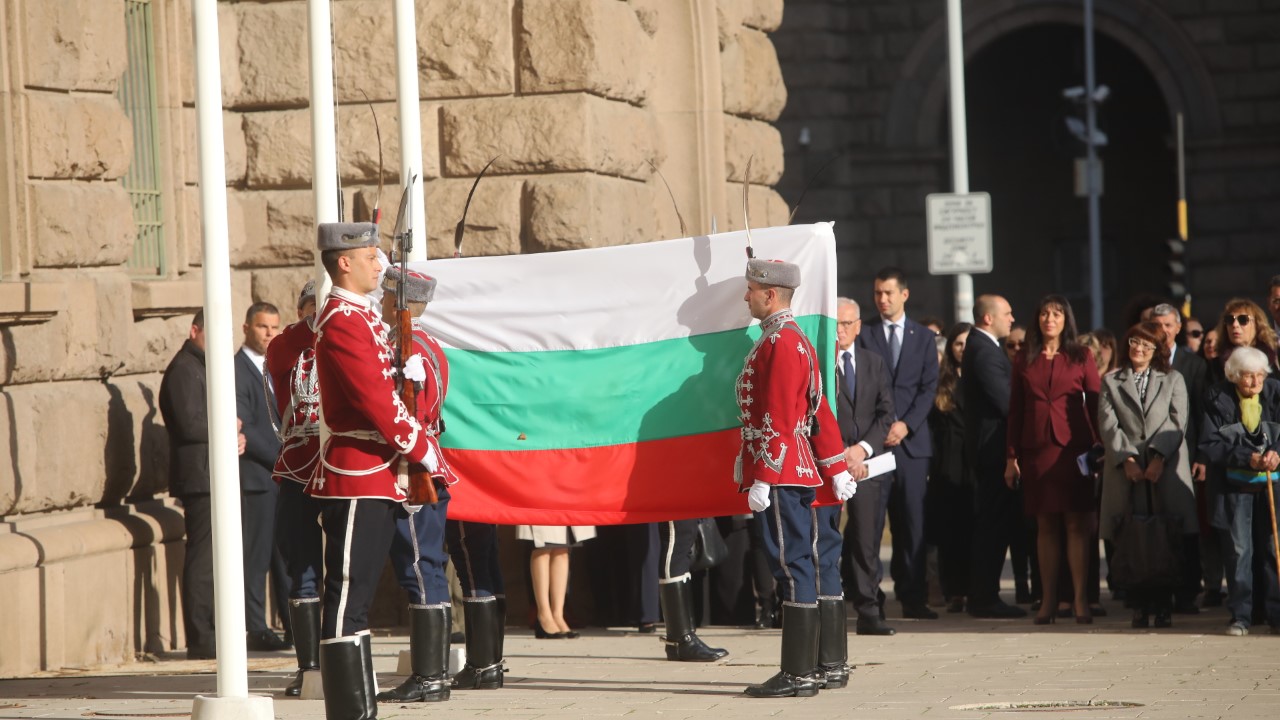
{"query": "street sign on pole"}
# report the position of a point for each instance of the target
(959, 232)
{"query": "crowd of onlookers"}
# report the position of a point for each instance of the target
(1160, 431)
(1025, 442)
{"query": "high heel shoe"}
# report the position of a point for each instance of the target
(541, 634)
(1044, 619)
(1085, 618)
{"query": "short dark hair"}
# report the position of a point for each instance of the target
(933, 320)
(329, 260)
(893, 273)
(260, 307)
(198, 320)
(1275, 282)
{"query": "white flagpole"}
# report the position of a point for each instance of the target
(410, 119)
(233, 699)
(324, 144)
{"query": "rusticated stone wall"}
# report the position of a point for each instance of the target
(578, 97)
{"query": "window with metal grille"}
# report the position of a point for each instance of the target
(137, 93)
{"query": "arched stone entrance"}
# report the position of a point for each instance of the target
(1019, 57)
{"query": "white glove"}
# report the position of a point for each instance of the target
(758, 496)
(411, 509)
(432, 461)
(844, 486)
(414, 369)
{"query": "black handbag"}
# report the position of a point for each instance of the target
(709, 548)
(1147, 548)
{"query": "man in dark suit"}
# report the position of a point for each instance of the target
(1202, 548)
(258, 492)
(185, 410)
(998, 510)
(864, 411)
(911, 356)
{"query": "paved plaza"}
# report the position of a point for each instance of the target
(931, 669)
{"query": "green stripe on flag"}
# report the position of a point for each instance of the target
(611, 396)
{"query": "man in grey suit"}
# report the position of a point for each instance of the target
(986, 370)
(258, 492)
(864, 411)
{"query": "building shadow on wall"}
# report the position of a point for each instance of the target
(137, 458)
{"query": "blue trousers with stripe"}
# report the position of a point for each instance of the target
(787, 527)
(474, 550)
(828, 549)
(418, 552)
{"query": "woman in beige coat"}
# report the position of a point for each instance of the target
(549, 573)
(1142, 418)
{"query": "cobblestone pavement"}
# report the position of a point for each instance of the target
(930, 669)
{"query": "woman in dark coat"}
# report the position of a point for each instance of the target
(949, 502)
(1052, 403)
(1241, 441)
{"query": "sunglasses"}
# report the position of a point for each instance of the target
(1194, 334)
(1241, 320)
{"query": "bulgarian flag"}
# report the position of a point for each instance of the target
(596, 387)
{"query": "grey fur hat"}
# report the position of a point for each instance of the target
(773, 272)
(420, 288)
(346, 236)
(308, 292)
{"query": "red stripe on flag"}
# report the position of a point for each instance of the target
(654, 481)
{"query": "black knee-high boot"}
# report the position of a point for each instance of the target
(683, 644)
(346, 671)
(304, 620)
(833, 643)
(483, 670)
(799, 656)
(428, 655)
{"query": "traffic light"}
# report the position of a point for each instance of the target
(1177, 269)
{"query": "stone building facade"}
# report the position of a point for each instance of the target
(578, 97)
(867, 84)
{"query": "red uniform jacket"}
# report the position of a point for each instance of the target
(369, 426)
(430, 393)
(1052, 402)
(291, 365)
(779, 395)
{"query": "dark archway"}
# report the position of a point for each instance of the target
(1021, 152)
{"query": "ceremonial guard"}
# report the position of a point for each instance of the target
(418, 548)
(473, 547)
(291, 365)
(676, 596)
(356, 485)
(790, 446)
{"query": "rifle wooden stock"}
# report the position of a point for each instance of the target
(422, 491)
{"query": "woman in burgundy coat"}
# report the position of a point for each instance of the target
(1052, 403)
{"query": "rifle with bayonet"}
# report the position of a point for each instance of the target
(421, 489)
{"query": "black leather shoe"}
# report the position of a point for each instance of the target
(833, 677)
(1141, 620)
(417, 688)
(873, 626)
(265, 641)
(647, 628)
(918, 611)
(784, 685)
(1163, 620)
(691, 648)
(457, 638)
(998, 609)
(764, 619)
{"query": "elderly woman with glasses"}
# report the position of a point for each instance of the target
(1241, 439)
(1243, 324)
(1142, 418)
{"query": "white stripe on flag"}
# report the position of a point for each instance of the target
(617, 296)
